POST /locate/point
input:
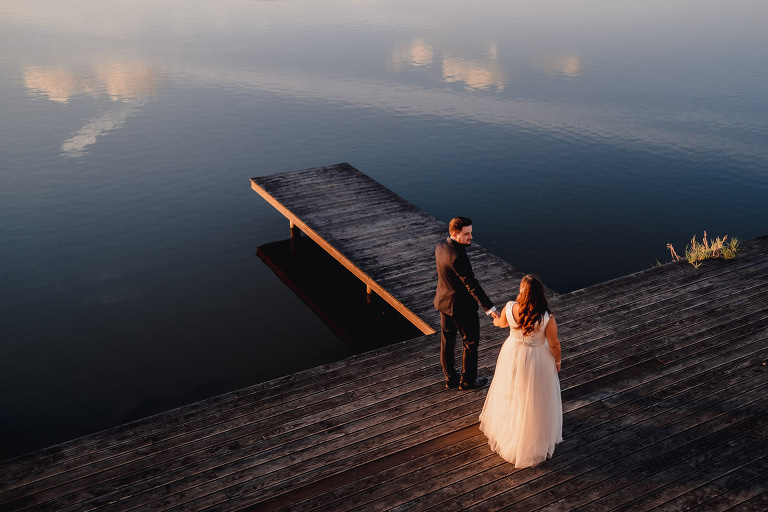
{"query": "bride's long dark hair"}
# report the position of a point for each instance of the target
(533, 304)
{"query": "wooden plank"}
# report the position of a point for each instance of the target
(710, 473)
(364, 484)
(218, 450)
(576, 449)
(666, 352)
(749, 495)
(381, 292)
(651, 394)
(651, 472)
(707, 315)
(669, 302)
(604, 459)
(455, 474)
(215, 462)
(243, 490)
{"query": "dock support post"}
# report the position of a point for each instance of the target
(368, 293)
(294, 230)
(295, 234)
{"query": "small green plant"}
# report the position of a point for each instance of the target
(696, 252)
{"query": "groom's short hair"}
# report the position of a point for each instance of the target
(457, 224)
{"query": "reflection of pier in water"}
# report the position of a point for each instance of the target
(362, 321)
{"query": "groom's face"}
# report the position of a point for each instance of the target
(464, 236)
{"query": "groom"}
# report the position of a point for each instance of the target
(457, 299)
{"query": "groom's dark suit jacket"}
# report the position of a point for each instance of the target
(457, 289)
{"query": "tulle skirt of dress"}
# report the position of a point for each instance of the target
(523, 412)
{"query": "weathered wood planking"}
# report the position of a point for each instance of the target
(664, 399)
(384, 240)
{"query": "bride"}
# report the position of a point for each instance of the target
(523, 413)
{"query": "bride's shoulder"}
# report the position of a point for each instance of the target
(510, 310)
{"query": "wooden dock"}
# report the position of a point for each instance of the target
(664, 394)
(387, 242)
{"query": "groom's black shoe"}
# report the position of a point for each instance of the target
(450, 384)
(465, 386)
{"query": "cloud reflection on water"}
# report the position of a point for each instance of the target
(496, 66)
(566, 65)
(607, 123)
(86, 136)
(416, 54)
(126, 84)
(474, 74)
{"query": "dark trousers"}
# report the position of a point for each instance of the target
(468, 325)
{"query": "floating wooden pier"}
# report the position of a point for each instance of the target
(664, 394)
(387, 242)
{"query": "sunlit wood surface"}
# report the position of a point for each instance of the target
(664, 393)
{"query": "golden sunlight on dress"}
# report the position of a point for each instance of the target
(523, 413)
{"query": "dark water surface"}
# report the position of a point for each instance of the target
(580, 137)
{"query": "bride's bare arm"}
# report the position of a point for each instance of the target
(554, 343)
(502, 321)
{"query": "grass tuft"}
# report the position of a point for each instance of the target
(696, 252)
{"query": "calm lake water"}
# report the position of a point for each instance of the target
(581, 137)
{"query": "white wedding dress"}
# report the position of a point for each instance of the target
(523, 412)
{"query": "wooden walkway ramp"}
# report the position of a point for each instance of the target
(665, 408)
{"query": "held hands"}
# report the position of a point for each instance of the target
(499, 318)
